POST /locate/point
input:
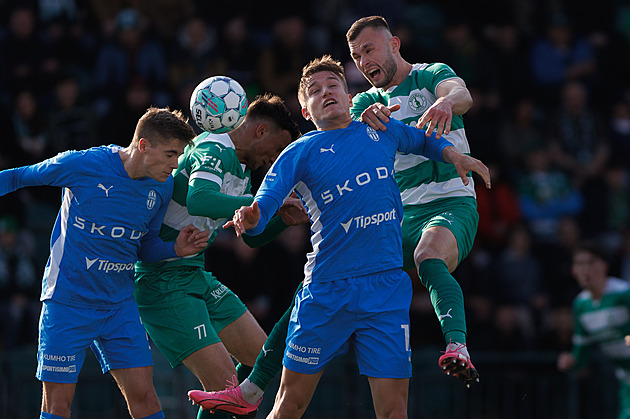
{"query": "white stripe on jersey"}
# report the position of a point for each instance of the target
(177, 217)
(57, 250)
(428, 192)
(316, 229)
(200, 174)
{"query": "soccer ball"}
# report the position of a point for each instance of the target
(218, 104)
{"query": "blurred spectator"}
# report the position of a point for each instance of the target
(192, 54)
(579, 139)
(19, 286)
(280, 63)
(72, 123)
(511, 78)
(30, 127)
(22, 52)
(132, 54)
(556, 330)
(517, 279)
(235, 51)
(557, 57)
(545, 196)
(619, 128)
(498, 210)
(556, 259)
(520, 130)
(124, 117)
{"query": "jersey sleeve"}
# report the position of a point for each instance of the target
(56, 171)
(581, 349)
(361, 101)
(205, 199)
(413, 140)
(437, 72)
(278, 184)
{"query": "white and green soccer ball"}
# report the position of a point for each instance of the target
(218, 104)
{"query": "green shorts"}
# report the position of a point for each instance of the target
(184, 309)
(457, 214)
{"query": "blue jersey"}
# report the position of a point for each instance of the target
(105, 217)
(345, 178)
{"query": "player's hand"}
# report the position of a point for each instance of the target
(566, 361)
(293, 212)
(377, 115)
(244, 218)
(439, 116)
(464, 164)
(190, 241)
(627, 339)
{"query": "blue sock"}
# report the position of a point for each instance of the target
(156, 415)
(44, 415)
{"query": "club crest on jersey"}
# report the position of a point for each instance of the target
(151, 199)
(371, 132)
(417, 102)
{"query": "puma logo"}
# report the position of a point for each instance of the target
(100, 185)
(323, 150)
(448, 314)
(266, 351)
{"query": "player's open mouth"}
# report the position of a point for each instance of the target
(329, 102)
(374, 73)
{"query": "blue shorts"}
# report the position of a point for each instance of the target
(371, 312)
(116, 337)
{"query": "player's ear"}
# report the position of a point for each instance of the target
(143, 144)
(261, 130)
(305, 114)
(394, 44)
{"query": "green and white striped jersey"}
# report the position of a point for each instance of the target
(603, 322)
(212, 157)
(421, 180)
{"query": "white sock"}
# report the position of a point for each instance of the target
(251, 392)
(462, 348)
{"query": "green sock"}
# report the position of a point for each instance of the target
(269, 361)
(446, 297)
(242, 372)
(206, 414)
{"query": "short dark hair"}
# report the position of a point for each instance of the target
(366, 22)
(272, 107)
(160, 125)
(594, 248)
(326, 63)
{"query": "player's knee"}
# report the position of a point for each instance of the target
(423, 253)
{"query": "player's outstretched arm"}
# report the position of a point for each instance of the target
(190, 241)
(464, 164)
(245, 218)
(377, 115)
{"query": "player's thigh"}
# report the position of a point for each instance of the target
(179, 327)
(244, 338)
(458, 219)
(389, 396)
(64, 334)
(122, 342)
(320, 325)
(381, 340)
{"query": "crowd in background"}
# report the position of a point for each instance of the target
(551, 117)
